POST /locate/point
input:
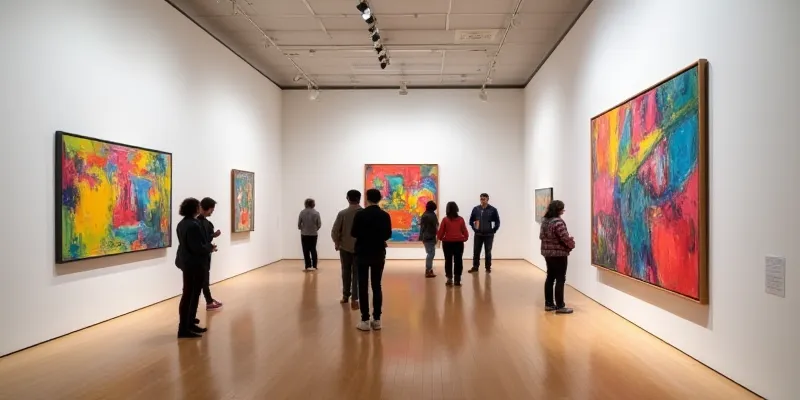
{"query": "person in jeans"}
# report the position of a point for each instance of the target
(485, 221)
(192, 258)
(428, 226)
(372, 227)
(207, 206)
(309, 223)
(453, 233)
(556, 246)
(346, 246)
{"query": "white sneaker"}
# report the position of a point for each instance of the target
(363, 326)
(376, 325)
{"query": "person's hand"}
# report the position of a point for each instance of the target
(336, 247)
(213, 247)
(217, 233)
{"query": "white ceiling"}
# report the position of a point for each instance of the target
(328, 40)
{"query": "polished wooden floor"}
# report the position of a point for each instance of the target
(283, 335)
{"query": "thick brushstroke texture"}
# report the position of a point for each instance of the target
(406, 189)
(646, 188)
(243, 201)
(114, 199)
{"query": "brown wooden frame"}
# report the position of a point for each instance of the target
(233, 202)
(392, 243)
(702, 160)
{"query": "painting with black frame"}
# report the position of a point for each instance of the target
(110, 198)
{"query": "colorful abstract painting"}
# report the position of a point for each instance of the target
(243, 200)
(406, 189)
(542, 197)
(648, 178)
(111, 198)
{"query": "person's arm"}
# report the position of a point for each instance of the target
(496, 220)
(336, 231)
(300, 221)
(464, 230)
(387, 228)
(440, 233)
(355, 230)
(563, 235)
(541, 231)
(318, 221)
(197, 241)
(472, 219)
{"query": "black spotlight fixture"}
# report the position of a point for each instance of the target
(370, 20)
(376, 36)
(384, 64)
(363, 8)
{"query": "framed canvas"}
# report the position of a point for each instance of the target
(406, 189)
(542, 198)
(243, 200)
(111, 198)
(649, 185)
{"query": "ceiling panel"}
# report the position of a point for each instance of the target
(329, 41)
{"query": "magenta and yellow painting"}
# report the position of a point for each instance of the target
(406, 189)
(648, 186)
(112, 198)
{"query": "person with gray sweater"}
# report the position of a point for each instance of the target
(309, 224)
(428, 227)
(346, 246)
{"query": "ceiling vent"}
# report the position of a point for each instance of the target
(476, 36)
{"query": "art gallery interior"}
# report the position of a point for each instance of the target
(501, 95)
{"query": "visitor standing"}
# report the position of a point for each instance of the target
(428, 226)
(485, 221)
(309, 224)
(207, 206)
(192, 258)
(372, 227)
(346, 246)
(556, 246)
(453, 233)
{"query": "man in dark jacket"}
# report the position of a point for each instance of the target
(207, 206)
(485, 221)
(346, 246)
(372, 227)
(428, 226)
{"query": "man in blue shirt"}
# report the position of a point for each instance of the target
(485, 221)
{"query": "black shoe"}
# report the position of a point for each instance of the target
(488, 270)
(198, 329)
(188, 335)
(550, 308)
(473, 269)
(196, 321)
(449, 282)
(564, 310)
(458, 283)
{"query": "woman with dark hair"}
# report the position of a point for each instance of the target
(453, 233)
(309, 224)
(556, 246)
(193, 258)
(428, 226)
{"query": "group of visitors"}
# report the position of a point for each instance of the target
(195, 236)
(360, 236)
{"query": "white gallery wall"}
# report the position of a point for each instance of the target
(477, 145)
(139, 73)
(616, 49)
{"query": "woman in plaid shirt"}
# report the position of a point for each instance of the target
(556, 246)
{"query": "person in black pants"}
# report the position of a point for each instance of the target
(453, 233)
(372, 227)
(556, 246)
(485, 221)
(309, 223)
(192, 258)
(207, 206)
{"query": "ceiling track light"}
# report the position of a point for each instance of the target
(375, 33)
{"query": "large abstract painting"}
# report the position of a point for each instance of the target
(542, 198)
(111, 198)
(406, 189)
(243, 200)
(649, 188)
